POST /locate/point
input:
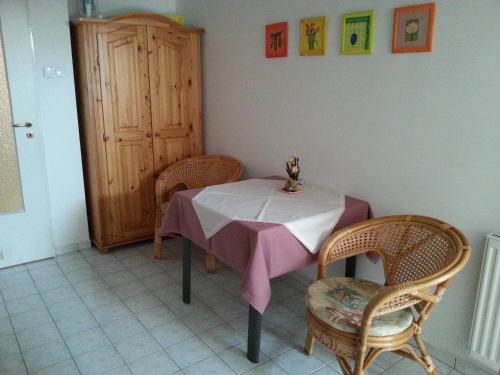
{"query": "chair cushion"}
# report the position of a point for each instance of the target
(340, 301)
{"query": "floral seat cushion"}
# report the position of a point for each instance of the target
(340, 301)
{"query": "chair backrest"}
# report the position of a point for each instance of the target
(415, 247)
(412, 247)
(199, 171)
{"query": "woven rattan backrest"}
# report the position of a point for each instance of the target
(412, 247)
(208, 170)
(413, 251)
(201, 171)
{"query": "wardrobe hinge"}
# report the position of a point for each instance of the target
(104, 137)
(98, 61)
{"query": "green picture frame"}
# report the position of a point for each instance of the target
(358, 30)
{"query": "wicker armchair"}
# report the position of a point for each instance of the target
(358, 320)
(192, 173)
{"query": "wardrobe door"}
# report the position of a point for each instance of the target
(123, 64)
(174, 81)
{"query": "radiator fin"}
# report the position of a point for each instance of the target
(485, 336)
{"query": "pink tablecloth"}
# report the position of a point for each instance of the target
(260, 251)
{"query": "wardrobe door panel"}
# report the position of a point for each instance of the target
(170, 72)
(123, 64)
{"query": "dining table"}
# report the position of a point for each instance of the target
(259, 250)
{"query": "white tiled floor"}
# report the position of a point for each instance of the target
(121, 313)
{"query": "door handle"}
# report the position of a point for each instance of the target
(25, 125)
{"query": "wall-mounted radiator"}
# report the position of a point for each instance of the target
(484, 343)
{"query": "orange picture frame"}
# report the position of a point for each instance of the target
(277, 40)
(413, 28)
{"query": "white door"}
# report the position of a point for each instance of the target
(25, 232)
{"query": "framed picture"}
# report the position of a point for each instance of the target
(413, 28)
(277, 40)
(313, 32)
(357, 33)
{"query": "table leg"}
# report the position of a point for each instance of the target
(253, 340)
(210, 263)
(350, 267)
(186, 271)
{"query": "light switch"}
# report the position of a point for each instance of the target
(53, 72)
(58, 72)
(48, 71)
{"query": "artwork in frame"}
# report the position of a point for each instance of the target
(357, 33)
(413, 29)
(313, 34)
(277, 40)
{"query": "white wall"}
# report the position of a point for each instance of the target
(410, 133)
(58, 119)
(110, 8)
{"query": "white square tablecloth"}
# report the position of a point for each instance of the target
(309, 216)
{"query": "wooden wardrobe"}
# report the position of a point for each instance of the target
(139, 105)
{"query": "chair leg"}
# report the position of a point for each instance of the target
(309, 346)
(371, 356)
(360, 359)
(431, 369)
(157, 245)
(210, 263)
(344, 365)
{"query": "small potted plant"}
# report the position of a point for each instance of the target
(293, 169)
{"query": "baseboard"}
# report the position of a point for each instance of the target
(72, 247)
(469, 366)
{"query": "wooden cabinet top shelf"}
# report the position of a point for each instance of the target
(150, 19)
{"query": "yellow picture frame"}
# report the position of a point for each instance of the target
(357, 33)
(313, 36)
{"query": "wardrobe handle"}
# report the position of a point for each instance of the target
(148, 135)
(157, 134)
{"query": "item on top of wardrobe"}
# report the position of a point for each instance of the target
(89, 8)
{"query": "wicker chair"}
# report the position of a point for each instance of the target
(192, 173)
(358, 320)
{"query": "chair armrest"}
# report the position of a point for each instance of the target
(428, 290)
(397, 297)
(422, 294)
(166, 181)
(342, 244)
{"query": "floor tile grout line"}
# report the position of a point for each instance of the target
(195, 335)
(146, 330)
(213, 353)
(100, 326)
(227, 322)
(271, 359)
(177, 317)
(14, 331)
(164, 349)
(55, 324)
(293, 348)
